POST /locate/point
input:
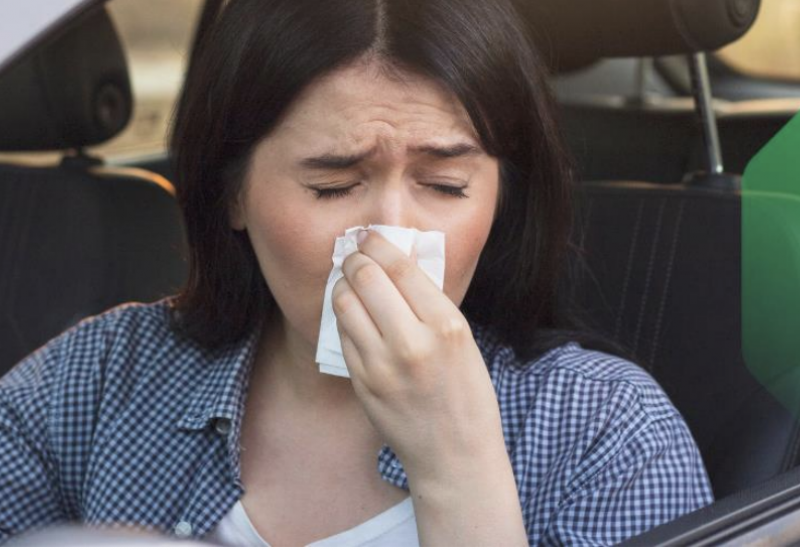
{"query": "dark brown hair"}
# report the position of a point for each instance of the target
(251, 60)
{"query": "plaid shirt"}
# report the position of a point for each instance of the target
(120, 421)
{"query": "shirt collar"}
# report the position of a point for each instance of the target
(225, 376)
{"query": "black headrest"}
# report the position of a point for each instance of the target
(71, 91)
(572, 33)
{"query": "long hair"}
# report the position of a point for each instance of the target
(252, 58)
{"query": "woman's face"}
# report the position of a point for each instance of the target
(360, 147)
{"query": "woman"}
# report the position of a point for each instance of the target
(207, 415)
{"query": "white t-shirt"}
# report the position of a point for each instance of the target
(396, 526)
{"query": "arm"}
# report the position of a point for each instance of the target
(477, 504)
(28, 494)
(656, 476)
(421, 378)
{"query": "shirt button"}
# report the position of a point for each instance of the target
(223, 426)
(183, 529)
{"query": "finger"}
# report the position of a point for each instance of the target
(352, 357)
(354, 320)
(425, 299)
(359, 378)
(384, 302)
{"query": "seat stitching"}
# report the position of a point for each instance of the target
(584, 265)
(649, 276)
(628, 268)
(664, 294)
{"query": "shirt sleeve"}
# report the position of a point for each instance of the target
(48, 404)
(654, 477)
(28, 489)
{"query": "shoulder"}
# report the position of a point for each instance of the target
(586, 429)
(581, 406)
(72, 371)
(104, 389)
(91, 340)
(573, 378)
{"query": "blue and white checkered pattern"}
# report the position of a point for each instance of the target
(120, 421)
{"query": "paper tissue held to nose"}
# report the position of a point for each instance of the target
(429, 246)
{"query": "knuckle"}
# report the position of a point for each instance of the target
(342, 300)
(366, 275)
(400, 269)
(410, 352)
(452, 329)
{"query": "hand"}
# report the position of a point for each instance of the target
(415, 366)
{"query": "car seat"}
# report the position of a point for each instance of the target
(78, 237)
(664, 259)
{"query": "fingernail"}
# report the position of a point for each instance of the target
(362, 234)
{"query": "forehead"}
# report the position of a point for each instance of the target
(363, 102)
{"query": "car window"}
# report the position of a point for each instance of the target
(771, 49)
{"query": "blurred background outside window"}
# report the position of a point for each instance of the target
(772, 47)
(156, 35)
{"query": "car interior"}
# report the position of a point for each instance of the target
(659, 192)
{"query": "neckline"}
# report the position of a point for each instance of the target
(354, 536)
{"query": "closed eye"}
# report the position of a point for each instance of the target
(451, 190)
(338, 192)
(333, 193)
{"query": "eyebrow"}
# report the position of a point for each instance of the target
(341, 162)
(448, 152)
(335, 162)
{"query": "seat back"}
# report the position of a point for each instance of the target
(665, 282)
(76, 238)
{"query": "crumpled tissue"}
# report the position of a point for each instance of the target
(429, 247)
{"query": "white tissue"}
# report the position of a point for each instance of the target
(429, 246)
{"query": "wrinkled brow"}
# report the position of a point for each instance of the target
(341, 162)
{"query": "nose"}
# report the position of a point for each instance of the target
(392, 203)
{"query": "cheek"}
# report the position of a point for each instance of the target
(288, 251)
(294, 254)
(467, 235)
(461, 259)
(462, 251)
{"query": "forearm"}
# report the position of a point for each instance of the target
(473, 505)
